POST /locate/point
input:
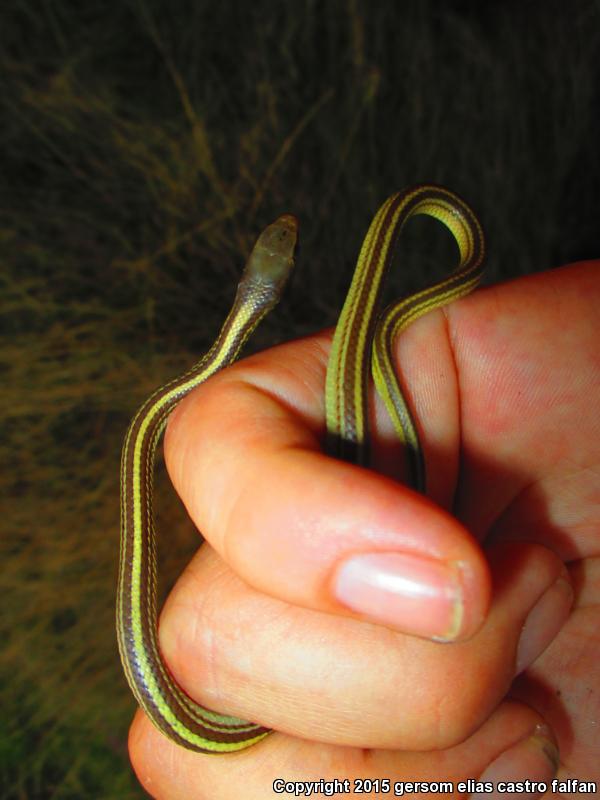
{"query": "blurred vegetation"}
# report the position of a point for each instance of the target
(144, 146)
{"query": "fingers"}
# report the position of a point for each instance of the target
(513, 745)
(344, 681)
(308, 529)
(261, 626)
(276, 623)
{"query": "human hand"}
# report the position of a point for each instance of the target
(253, 627)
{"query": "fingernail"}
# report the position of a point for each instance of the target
(415, 595)
(543, 622)
(535, 759)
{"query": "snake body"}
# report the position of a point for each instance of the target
(363, 340)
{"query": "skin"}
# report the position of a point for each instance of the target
(506, 407)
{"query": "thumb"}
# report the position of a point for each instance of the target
(244, 454)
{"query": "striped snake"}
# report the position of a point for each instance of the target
(363, 342)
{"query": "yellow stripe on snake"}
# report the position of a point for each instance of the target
(363, 343)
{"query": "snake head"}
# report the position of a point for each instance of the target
(272, 257)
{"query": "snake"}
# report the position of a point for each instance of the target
(363, 345)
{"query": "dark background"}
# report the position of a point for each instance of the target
(144, 145)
